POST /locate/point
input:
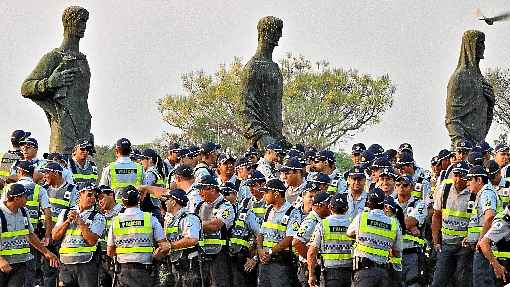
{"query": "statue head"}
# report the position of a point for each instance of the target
(269, 30)
(74, 20)
(472, 49)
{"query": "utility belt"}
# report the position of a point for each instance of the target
(365, 263)
(136, 266)
(184, 263)
(282, 257)
(212, 257)
(413, 250)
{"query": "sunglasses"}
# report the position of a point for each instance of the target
(402, 184)
(84, 149)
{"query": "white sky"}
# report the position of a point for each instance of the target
(137, 51)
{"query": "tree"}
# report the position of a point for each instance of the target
(500, 81)
(320, 106)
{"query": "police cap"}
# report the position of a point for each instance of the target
(15, 189)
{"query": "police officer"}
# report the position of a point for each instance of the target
(415, 212)
(62, 195)
(320, 210)
(217, 216)
(500, 184)
(386, 181)
(184, 178)
(443, 158)
(109, 209)
(356, 193)
(449, 228)
(173, 155)
(375, 170)
(243, 167)
(281, 224)
(10, 157)
(292, 172)
(79, 229)
(207, 162)
(155, 173)
(131, 239)
(122, 172)
(502, 157)
(356, 151)
(225, 170)
(242, 243)
(378, 237)
(256, 203)
(305, 202)
(325, 162)
(267, 164)
(84, 170)
(190, 156)
(330, 242)
(421, 188)
(483, 212)
(495, 246)
(183, 233)
(16, 236)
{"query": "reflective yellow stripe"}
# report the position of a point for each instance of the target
(172, 229)
(364, 228)
(239, 241)
(475, 229)
(455, 213)
(123, 250)
(73, 231)
(259, 210)
(452, 232)
(269, 244)
(145, 229)
(447, 181)
(4, 173)
(371, 250)
(84, 176)
(274, 226)
(332, 189)
(70, 250)
(59, 201)
(18, 251)
(336, 256)
(504, 198)
(396, 260)
(34, 220)
(414, 238)
(212, 241)
(10, 234)
(416, 194)
(35, 198)
(501, 254)
(239, 223)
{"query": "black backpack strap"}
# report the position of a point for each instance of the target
(413, 202)
(92, 215)
(446, 192)
(66, 213)
(266, 216)
(507, 184)
(72, 165)
(245, 204)
(197, 208)
(3, 220)
(471, 203)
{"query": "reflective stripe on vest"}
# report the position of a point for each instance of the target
(143, 232)
(79, 176)
(259, 211)
(364, 228)
(413, 238)
(334, 251)
(19, 245)
(116, 184)
(501, 254)
(33, 205)
(74, 249)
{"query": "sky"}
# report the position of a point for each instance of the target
(138, 50)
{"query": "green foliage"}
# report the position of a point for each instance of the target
(343, 161)
(320, 106)
(104, 155)
(500, 81)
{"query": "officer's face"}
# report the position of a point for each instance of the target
(232, 197)
(461, 154)
(243, 172)
(87, 199)
(81, 153)
(357, 184)
(255, 190)
(146, 163)
(356, 158)
(386, 183)
(20, 201)
(172, 156)
(208, 194)
(28, 151)
(227, 168)
(445, 163)
(502, 158)
(269, 197)
(292, 177)
(407, 169)
(308, 200)
(404, 188)
(459, 182)
(106, 201)
(475, 184)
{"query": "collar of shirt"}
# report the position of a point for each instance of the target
(87, 210)
(220, 198)
(133, 210)
(377, 211)
(123, 159)
(363, 195)
(6, 209)
(284, 207)
(84, 166)
(338, 216)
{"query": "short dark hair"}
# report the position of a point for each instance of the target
(125, 151)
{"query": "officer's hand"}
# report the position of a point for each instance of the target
(52, 258)
(437, 247)
(4, 266)
(312, 280)
(264, 257)
(249, 265)
(499, 270)
(73, 214)
(62, 78)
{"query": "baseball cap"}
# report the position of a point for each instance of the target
(130, 194)
(476, 171)
(179, 196)
(391, 203)
(433, 160)
(376, 196)
(254, 177)
(463, 145)
(29, 141)
(339, 201)
(321, 197)
(209, 147)
(251, 151)
(149, 153)
(443, 154)
(19, 135)
(492, 167)
(357, 172)
(381, 162)
(83, 144)
(376, 149)
(228, 188)
(405, 159)
(501, 147)
(405, 178)
(123, 143)
(461, 167)
(274, 185)
(326, 155)
(367, 157)
(358, 148)
(405, 147)
(52, 167)
(206, 181)
(26, 166)
(292, 163)
(192, 151)
(320, 178)
(104, 189)
(310, 186)
(15, 189)
(390, 154)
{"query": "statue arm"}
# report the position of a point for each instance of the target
(36, 84)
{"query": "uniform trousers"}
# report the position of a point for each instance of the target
(453, 259)
(483, 274)
(241, 278)
(336, 277)
(275, 275)
(184, 273)
(136, 275)
(78, 275)
(15, 278)
(371, 277)
(411, 270)
(216, 270)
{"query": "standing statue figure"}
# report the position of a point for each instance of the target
(262, 88)
(60, 83)
(470, 100)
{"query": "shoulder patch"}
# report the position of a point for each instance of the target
(225, 214)
(295, 226)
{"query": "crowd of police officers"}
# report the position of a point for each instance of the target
(200, 217)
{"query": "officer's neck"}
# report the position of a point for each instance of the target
(278, 203)
(83, 207)
(11, 205)
(80, 161)
(57, 182)
(175, 209)
(403, 197)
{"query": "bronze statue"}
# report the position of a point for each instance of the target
(470, 100)
(262, 87)
(60, 83)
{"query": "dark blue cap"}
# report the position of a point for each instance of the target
(293, 153)
(477, 171)
(251, 151)
(25, 165)
(501, 147)
(320, 178)
(104, 189)
(310, 155)
(90, 187)
(243, 162)
(52, 167)
(123, 143)
(405, 159)
(492, 167)
(443, 154)
(405, 178)
(274, 185)
(405, 147)
(358, 148)
(357, 172)
(388, 171)
(339, 200)
(19, 135)
(228, 188)
(222, 158)
(299, 148)
(485, 147)
(367, 157)
(29, 141)
(15, 189)
(192, 151)
(376, 196)
(183, 170)
(381, 162)
(130, 194)
(206, 181)
(326, 155)
(179, 196)
(376, 149)
(84, 144)
(434, 161)
(292, 163)
(254, 177)
(390, 154)
(275, 147)
(463, 145)
(310, 186)
(149, 153)
(475, 158)
(209, 147)
(321, 198)
(174, 147)
(461, 167)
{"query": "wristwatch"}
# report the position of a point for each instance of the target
(270, 251)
